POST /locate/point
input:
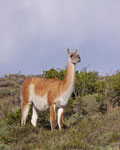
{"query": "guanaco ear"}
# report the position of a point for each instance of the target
(76, 50)
(68, 51)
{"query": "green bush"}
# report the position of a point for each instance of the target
(89, 82)
(13, 117)
(109, 92)
(114, 89)
(86, 82)
(4, 147)
(55, 73)
(4, 92)
(7, 83)
(89, 104)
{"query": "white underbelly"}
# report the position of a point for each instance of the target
(39, 102)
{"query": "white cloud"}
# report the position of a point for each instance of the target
(36, 27)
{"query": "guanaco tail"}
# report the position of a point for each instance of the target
(48, 93)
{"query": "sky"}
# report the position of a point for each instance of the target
(35, 35)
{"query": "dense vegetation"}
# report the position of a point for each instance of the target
(91, 119)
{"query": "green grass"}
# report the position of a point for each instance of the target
(91, 132)
(85, 126)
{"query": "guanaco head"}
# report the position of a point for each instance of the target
(74, 57)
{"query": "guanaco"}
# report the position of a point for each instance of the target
(48, 93)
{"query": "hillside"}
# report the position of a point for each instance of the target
(91, 120)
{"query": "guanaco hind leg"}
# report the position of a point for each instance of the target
(52, 116)
(25, 109)
(60, 117)
(34, 117)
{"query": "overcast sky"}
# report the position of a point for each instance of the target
(34, 34)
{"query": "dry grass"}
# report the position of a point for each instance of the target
(85, 127)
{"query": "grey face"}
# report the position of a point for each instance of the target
(74, 57)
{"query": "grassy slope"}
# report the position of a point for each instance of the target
(91, 130)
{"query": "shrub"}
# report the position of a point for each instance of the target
(89, 105)
(4, 147)
(55, 73)
(109, 92)
(4, 92)
(13, 117)
(114, 89)
(86, 82)
(7, 83)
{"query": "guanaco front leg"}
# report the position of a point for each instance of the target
(52, 116)
(34, 117)
(60, 117)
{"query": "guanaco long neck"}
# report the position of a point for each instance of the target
(70, 75)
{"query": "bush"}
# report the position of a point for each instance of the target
(7, 83)
(86, 82)
(4, 147)
(55, 73)
(4, 92)
(114, 89)
(107, 89)
(13, 117)
(109, 92)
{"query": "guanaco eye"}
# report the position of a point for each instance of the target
(71, 55)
